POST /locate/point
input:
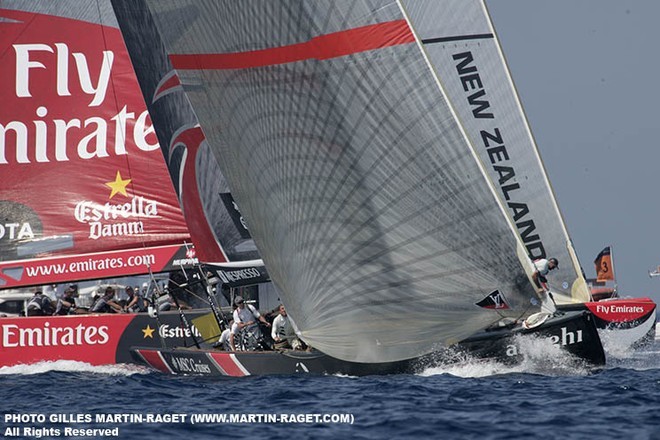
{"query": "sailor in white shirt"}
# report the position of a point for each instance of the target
(245, 320)
(543, 267)
(283, 331)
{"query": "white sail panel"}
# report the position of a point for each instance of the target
(366, 202)
(463, 48)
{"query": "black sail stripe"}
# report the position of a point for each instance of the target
(458, 38)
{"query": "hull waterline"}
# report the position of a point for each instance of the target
(493, 345)
(97, 339)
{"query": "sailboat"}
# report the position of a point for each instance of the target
(363, 193)
(471, 66)
(628, 322)
(85, 193)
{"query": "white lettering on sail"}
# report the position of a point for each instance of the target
(98, 230)
(87, 211)
(16, 231)
(23, 66)
(24, 63)
(42, 140)
(94, 129)
(98, 216)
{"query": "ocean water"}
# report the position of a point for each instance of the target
(542, 398)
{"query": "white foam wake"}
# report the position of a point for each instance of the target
(75, 366)
(539, 356)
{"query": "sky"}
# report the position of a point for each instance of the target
(587, 73)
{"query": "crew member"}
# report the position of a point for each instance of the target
(245, 320)
(283, 332)
(543, 267)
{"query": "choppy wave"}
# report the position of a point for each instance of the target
(471, 399)
(540, 357)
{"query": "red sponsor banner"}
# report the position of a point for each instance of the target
(86, 338)
(622, 310)
(94, 266)
(97, 339)
(81, 171)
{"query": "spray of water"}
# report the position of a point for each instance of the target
(537, 355)
(62, 365)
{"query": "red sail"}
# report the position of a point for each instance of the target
(84, 190)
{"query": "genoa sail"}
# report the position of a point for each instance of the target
(84, 189)
(468, 59)
(375, 218)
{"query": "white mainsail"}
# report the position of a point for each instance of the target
(367, 203)
(463, 48)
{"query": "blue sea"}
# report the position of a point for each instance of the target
(474, 400)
